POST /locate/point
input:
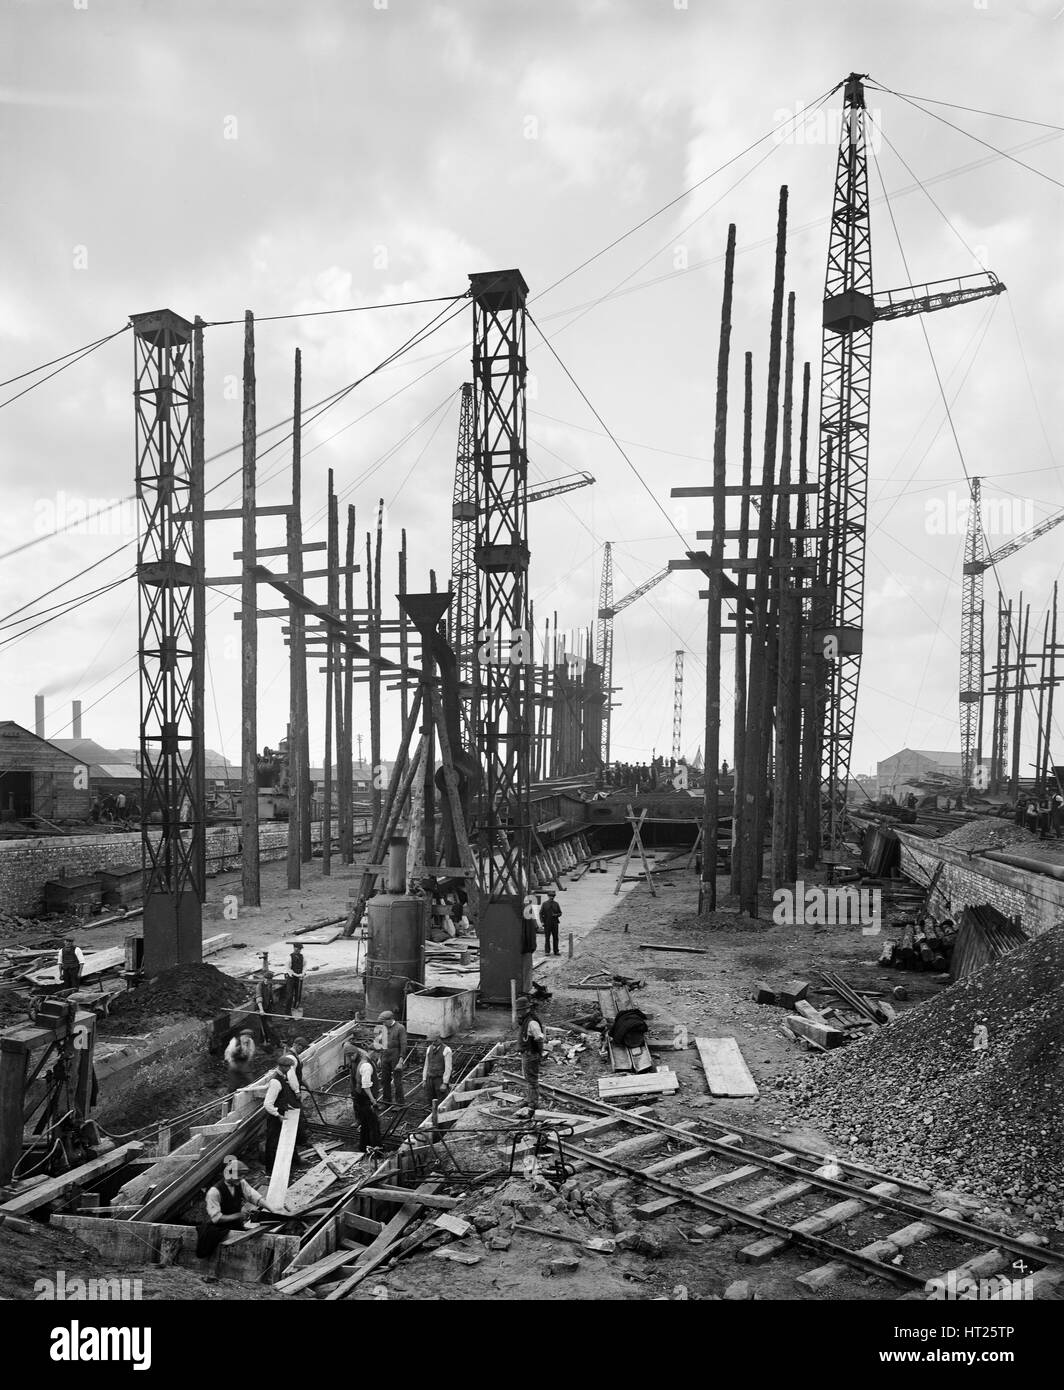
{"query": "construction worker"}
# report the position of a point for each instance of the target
(1021, 811)
(1044, 816)
(293, 977)
(264, 1007)
(390, 1044)
(532, 1038)
(436, 1073)
(238, 1056)
(69, 959)
(228, 1203)
(1032, 817)
(1056, 813)
(550, 914)
(281, 1096)
(294, 1051)
(361, 1069)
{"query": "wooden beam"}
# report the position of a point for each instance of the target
(55, 1188)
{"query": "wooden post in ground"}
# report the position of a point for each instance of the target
(1049, 781)
(1022, 624)
(789, 667)
(249, 642)
(404, 696)
(373, 602)
(757, 731)
(1043, 676)
(707, 893)
(741, 628)
(808, 764)
(298, 810)
(331, 602)
(347, 844)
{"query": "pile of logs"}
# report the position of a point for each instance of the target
(924, 945)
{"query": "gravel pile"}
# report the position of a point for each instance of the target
(988, 834)
(921, 1097)
(198, 991)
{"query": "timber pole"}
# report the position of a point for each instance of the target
(298, 811)
(739, 734)
(249, 656)
(759, 703)
(332, 582)
(347, 844)
(199, 616)
(788, 674)
(707, 896)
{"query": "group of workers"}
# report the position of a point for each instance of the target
(115, 808)
(1042, 818)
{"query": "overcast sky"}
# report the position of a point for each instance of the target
(217, 157)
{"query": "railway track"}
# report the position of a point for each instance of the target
(842, 1215)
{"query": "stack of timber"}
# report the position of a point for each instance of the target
(625, 1041)
(922, 946)
(983, 935)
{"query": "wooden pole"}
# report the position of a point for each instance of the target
(347, 842)
(809, 770)
(298, 811)
(1021, 690)
(789, 670)
(755, 760)
(739, 734)
(373, 581)
(1049, 780)
(816, 695)
(707, 896)
(331, 602)
(404, 694)
(249, 798)
(1043, 672)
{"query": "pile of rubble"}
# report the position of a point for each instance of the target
(966, 1090)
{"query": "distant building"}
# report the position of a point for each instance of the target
(38, 778)
(917, 770)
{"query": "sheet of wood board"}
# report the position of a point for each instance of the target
(725, 1069)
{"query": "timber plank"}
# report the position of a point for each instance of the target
(54, 1188)
(726, 1071)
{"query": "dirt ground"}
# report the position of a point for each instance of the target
(711, 994)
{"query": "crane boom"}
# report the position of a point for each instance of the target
(1018, 542)
(644, 588)
(569, 483)
(936, 294)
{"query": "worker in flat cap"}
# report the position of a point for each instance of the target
(531, 1039)
(550, 915)
(390, 1044)
(228, 1203)
(265, 1003)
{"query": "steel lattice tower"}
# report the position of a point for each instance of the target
(971, 690)
(845, 384)
(169, 485)
(503, 672)
(604, 647)
(463, 565)
(677, 709)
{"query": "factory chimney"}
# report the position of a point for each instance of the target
(38, 715)
(75, 722)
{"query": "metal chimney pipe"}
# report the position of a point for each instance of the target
(397, 864)
(75, 723)
(38, 715)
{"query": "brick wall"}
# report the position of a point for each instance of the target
(1036, 899)
(25, 865)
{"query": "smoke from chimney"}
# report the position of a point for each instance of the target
(38, 715)
(75, 722)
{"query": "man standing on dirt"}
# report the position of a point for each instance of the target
(390, 1043)
(264, 1006)
(532, 1037)
(280, 1097)
(293, 978)
(69, 959)
(550, 914)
